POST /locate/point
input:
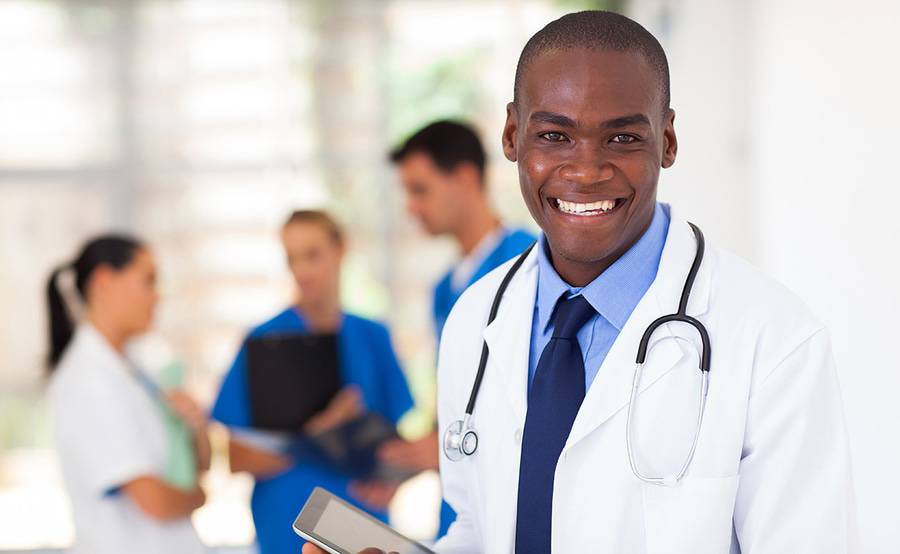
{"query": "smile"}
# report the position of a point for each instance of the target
(589, 209)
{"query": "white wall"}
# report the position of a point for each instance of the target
(828, 109)
(789, 126)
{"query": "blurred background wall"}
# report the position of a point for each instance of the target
(200, 124)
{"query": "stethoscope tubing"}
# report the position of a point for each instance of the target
(455, 434)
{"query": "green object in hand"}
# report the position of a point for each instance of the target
(181, 466)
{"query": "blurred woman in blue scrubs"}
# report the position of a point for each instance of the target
(374, 382)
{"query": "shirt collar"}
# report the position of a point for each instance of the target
(468, 266)
(93, 341)
(615, 292)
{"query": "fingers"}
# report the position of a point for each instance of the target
(392, 450)
(418, 455)
(374, 494)
(187, 410)
(346, 405)
(199, 496)
(310, 548)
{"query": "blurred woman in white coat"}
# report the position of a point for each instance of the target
(129, 451)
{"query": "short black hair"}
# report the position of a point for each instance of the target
(447, 143)
(596, 30)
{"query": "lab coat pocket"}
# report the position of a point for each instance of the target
(692, 517)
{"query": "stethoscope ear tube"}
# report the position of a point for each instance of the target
(701, 330)
(681, 316)
(495, 306)
(460, 440)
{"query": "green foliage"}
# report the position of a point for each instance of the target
(582, 5)
(23, 421)
(444, 89)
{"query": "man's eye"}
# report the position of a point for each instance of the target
(553, 137)
(624, 139)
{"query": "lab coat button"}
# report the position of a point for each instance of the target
(518, 436)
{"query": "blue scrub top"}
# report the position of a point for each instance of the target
(368, 361)
(513, 243)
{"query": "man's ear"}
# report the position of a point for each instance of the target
(468, 173)
(510, 128)
(670, 141)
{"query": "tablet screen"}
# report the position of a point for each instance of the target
(351, 530)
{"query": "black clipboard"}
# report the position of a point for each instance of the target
(291, 378)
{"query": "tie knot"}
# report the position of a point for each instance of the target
(571, 315)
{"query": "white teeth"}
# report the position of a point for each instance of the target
(585, 209)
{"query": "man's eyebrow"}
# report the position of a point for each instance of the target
(625, 121)
(565, 121)
(553, 119)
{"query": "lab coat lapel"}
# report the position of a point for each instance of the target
(611, 388)
(509, 336)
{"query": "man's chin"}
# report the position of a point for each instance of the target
(581, 250)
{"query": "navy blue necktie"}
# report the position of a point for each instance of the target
(556, 394)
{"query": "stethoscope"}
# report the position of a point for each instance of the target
(461, 439)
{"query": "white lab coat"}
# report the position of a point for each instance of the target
(771, 473)
(108, 431)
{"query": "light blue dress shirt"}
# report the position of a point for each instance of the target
(614, 294)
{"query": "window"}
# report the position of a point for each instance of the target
(199, 125)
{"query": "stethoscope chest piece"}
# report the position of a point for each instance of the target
(459, 441)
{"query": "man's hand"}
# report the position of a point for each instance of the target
(376, 495)
(417, 455)
(310, 548)
(345, 406)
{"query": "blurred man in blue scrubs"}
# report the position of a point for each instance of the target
(372, 376)
(442, 170)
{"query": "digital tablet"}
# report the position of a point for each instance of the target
(291, 378)
(351, 448)
(339, 528)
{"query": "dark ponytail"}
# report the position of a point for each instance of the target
(116, 251)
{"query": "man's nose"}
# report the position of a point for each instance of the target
(587, 166)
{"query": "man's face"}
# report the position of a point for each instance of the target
(433, 196)
(590, 133)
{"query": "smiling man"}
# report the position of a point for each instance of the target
(563, 443)
(573, 453)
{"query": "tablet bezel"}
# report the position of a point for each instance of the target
(312, 511)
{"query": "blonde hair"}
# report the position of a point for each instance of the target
(319, 217)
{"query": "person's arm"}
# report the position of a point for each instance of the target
(99, 437)
(255, 461)
(203, 449)
(346, 405)
(232, 408)
(396, 400)
(396, 395)
(795, 493)
(190, 413)
(418, 455)
(161, 501)
(374, 495)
